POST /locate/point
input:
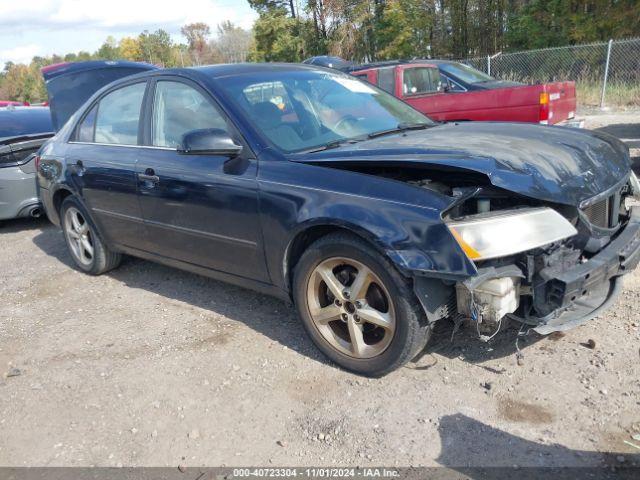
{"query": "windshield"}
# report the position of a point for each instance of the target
(304, 110)
(465, 73)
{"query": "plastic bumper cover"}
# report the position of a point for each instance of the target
(589, 288)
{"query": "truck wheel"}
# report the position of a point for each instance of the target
(85, 245)
(359, 311)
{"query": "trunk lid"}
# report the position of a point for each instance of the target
(69, 85)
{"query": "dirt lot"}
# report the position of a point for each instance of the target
(152, 366)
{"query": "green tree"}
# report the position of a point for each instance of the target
(157, 48)
(276, 38)
(265, 6)
(109, 50)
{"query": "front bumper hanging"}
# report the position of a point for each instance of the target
(573, 295)
(584, 291)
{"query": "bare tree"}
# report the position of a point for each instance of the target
(232, 43)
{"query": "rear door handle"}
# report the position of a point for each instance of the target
(80, 168)
(149, 176)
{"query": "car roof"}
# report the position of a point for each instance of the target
(224, 70)
(393, 63)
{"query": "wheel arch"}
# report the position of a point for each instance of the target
(311, 232)
(434, 295)
(57, 198)
(62, 193)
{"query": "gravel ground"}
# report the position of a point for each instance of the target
(148, 365)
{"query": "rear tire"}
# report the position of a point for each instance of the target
(87, 249)
(370, 330)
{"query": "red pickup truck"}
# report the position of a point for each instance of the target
(450, 91)
(12, 103)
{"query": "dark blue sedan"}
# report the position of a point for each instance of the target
(308, 184)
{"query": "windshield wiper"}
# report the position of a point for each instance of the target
(335, 144)
(402, 127)
(326, 146)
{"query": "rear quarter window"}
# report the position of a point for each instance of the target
(86, 130)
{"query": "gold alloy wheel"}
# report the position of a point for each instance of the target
(350, 307)
(79, 235)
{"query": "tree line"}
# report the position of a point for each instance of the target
(359, 30)
(366, 30)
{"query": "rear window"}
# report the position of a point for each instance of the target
(118, 115)
(465, 73)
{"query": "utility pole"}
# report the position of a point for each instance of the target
(606, 74)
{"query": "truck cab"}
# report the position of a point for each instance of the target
(433, 89)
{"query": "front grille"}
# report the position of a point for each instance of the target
(598, 213)
(604, 213)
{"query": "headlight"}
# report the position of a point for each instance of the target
(499, 234)
(635, 185)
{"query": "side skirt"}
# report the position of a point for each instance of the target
(243, 282)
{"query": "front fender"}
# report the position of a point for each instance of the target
(414, 238)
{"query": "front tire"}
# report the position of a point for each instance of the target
(87, 249)
(359, 311)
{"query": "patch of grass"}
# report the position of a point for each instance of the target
(618, 94)
(589, 90)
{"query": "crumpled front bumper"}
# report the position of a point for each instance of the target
(586, 290)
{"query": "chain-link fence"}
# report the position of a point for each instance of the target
(605, 73)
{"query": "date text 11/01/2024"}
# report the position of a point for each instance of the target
(309, 472)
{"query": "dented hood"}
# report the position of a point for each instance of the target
(561, 165)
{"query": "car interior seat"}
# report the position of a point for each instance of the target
(269, 117)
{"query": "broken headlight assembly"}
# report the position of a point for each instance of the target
(507, 232)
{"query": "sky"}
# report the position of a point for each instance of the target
(44, 27)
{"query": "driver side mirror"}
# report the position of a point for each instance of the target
(209, 141)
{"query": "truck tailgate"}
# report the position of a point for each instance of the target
(562, 101)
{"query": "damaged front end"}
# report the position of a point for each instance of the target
(551, 267)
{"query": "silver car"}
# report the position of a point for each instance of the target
(22, 131)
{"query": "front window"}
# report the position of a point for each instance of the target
(465, 73)
(303, 110)
(178, 109)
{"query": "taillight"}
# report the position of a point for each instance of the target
(37, 160)
(544, 108)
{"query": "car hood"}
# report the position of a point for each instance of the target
(555, 164)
